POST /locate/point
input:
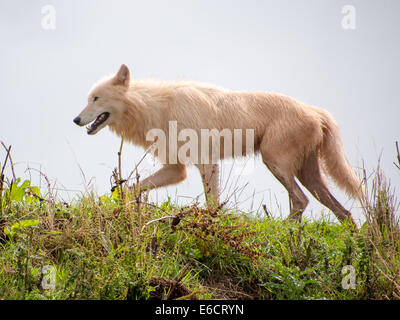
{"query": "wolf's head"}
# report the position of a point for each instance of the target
(105, 102)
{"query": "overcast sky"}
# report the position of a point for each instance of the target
(302, 48)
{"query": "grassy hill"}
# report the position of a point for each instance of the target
(119, 246)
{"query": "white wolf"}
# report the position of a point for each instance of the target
(294, 139)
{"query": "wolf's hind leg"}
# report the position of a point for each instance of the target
(311, 177)
(167, 175)
(282, 170)
(297, 199)
(210, 177)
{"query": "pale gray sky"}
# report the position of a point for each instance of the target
(295, 47)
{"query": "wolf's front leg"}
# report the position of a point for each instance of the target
(167, 175)
(210, 177)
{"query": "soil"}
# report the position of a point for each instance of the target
(172, 288)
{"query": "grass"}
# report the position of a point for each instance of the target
(119, 246)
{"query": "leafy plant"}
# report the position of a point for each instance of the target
(20, 226)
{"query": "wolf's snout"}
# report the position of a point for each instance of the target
(77, 120)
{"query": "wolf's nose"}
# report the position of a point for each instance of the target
(77, 120)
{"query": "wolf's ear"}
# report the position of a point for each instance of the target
(123, 77)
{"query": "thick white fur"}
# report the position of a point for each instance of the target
(294, 139)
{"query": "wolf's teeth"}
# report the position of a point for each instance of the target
(100, 119)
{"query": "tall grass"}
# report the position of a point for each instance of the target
(120, 246)
(381, 236)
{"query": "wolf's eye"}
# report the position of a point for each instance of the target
(95, 98)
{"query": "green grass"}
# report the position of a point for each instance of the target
(105, 248)
(119, 246)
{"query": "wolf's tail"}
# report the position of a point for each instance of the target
(335, 161)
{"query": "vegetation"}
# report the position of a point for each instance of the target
(120, 246)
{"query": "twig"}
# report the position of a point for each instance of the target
(155, 220)
(119, 182)
(265, 210)
(140, 161)
(11, 162)
(398, 156)
(49, 188)
(5, 162)
(2, 178)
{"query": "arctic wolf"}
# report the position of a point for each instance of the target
(295, 140)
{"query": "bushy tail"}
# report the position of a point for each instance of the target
(335, 161)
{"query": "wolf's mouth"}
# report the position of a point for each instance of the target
(99, 120)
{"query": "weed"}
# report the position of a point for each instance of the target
(120, 246)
